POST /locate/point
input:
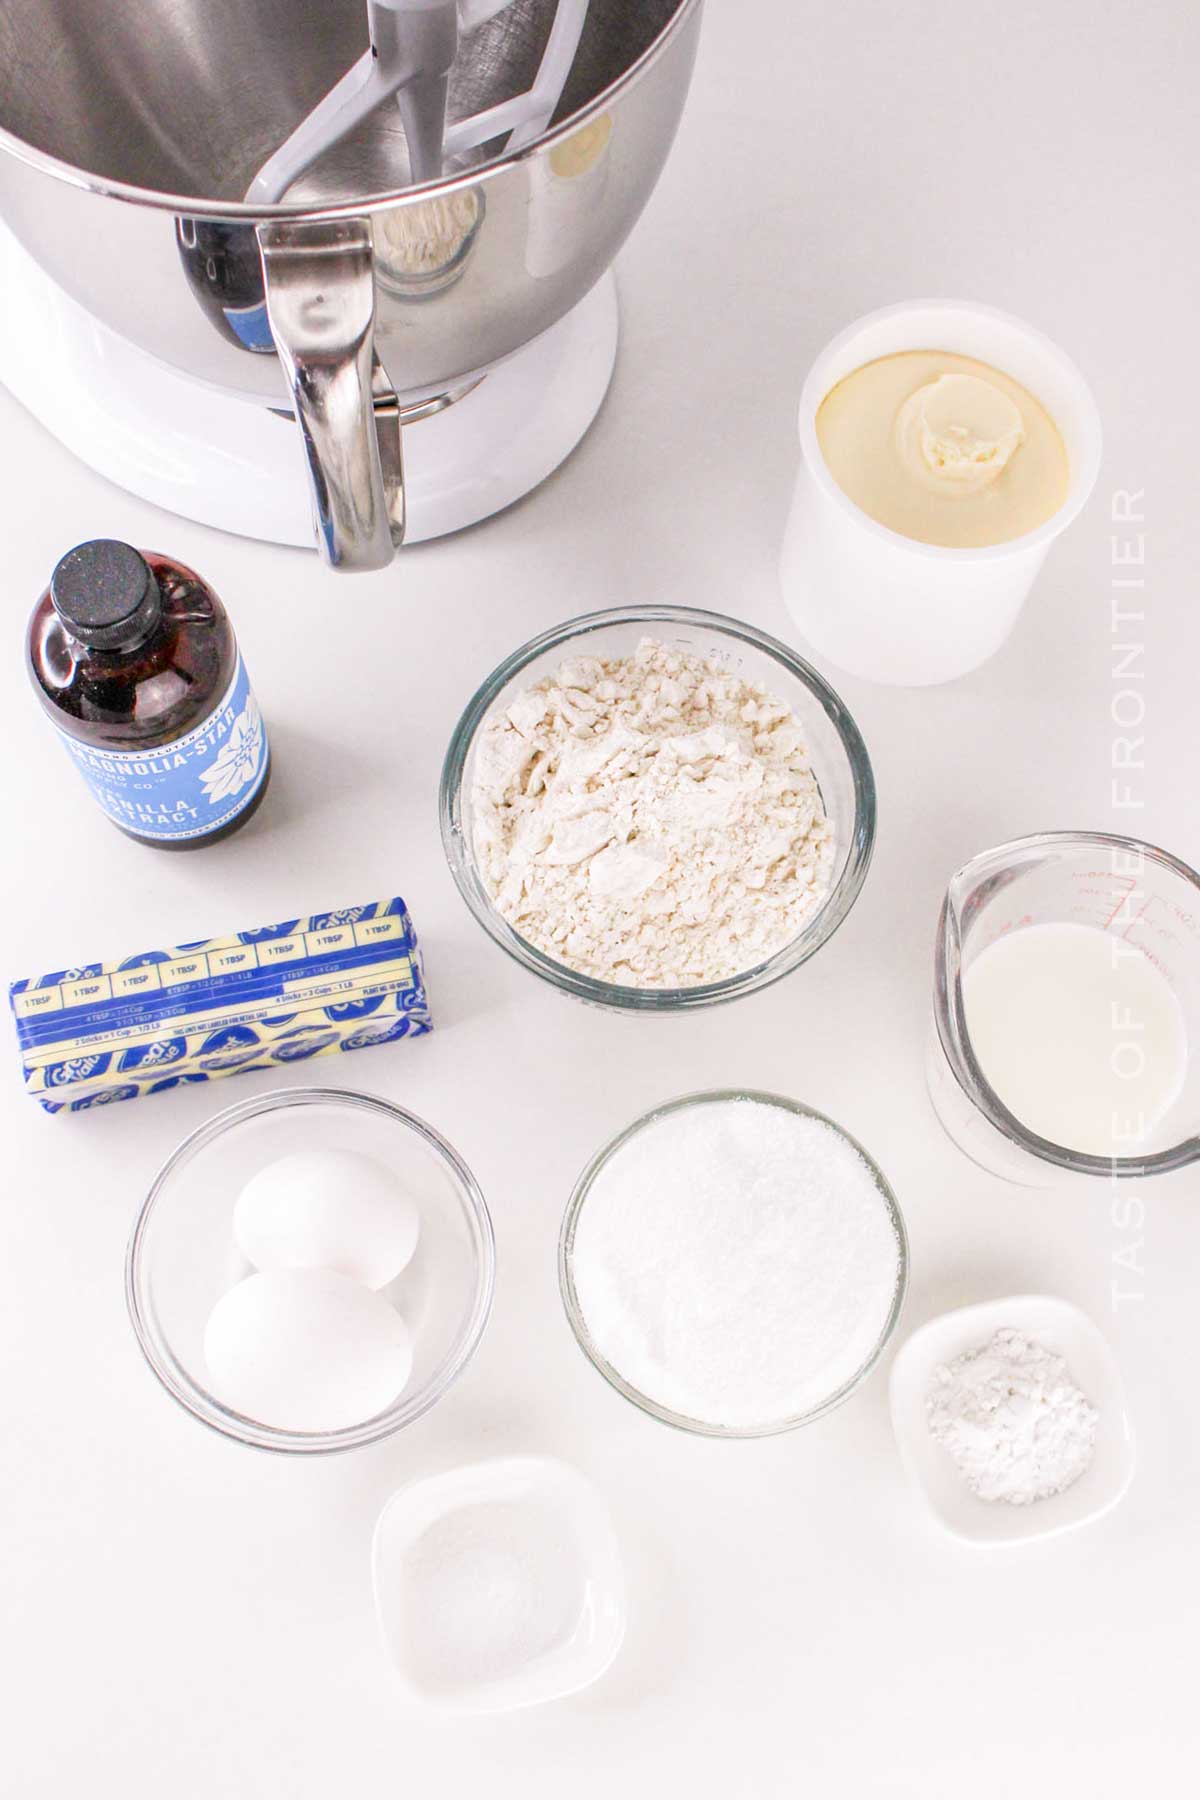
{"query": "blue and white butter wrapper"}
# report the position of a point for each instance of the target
(261, 999)
(187, 788)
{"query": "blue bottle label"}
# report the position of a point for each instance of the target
(188, 788)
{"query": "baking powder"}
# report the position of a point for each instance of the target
(1013, 1420)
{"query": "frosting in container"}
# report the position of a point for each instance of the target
(943, 449)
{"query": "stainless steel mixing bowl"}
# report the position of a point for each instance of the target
(130, 132)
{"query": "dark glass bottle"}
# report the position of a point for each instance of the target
(134, 660)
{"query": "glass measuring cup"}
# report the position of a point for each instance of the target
(1138, 893)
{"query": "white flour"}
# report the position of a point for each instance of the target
(1013, 1420)
(736, 1262)
(652, 821)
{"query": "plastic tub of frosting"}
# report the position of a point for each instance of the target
(887, 606)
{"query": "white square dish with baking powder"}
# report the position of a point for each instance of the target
(1060, 1327)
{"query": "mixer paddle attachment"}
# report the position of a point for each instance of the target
(414, 46)
(350, 417)
(412, 50)
(528, 115)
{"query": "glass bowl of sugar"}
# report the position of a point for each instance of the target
(657, 809)
(733, 1263)
(311, 1270)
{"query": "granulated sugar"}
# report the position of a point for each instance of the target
(736, 1262)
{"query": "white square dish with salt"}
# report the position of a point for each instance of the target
(499, 1585)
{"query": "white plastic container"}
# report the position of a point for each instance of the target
(884, 606)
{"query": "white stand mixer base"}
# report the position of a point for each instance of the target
(230, 462)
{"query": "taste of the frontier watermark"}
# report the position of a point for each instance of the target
(1127, 759)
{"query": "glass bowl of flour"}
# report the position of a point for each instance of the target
(657, 809)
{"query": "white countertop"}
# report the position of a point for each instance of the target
(184, 1617)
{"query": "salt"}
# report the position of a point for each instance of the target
(736, 1262)
(487, 1590)
(498, 1585)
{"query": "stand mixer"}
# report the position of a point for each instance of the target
(394, 230)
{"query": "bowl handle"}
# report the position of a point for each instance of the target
(320, 292)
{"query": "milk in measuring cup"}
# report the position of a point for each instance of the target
(1078, 1033)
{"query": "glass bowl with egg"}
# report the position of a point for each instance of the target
(651, 860)
(311, 1270)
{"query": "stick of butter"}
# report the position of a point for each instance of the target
(258, 1000)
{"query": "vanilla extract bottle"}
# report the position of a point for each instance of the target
(136, 664)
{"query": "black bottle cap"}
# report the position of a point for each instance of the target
(106, 595)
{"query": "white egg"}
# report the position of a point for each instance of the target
(328, 1209)
(306, 1350)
